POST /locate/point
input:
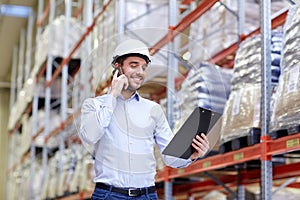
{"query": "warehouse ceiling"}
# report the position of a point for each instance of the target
(10, 28)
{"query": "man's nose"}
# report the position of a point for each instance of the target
(140, 69)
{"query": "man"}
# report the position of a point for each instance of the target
(123, 127)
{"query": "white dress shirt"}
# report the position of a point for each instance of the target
(123, 134)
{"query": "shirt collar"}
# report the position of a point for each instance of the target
(136, 96)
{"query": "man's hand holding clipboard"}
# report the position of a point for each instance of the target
(200, 121)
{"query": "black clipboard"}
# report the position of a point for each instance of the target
(201, 120)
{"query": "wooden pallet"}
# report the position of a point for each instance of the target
(284, 132)
(252, 138)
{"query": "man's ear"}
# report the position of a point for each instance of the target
(115, 65)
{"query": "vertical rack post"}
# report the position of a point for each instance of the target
(35, 101)
(21, 62)
(241, 18)
(266, 161)
(13, 79)
(121, 19)
(20, 79)
(48, 92)
(172, 69)
(86, 50)
(11, 147)
(35, 107)
(241, 21)
(32, 145)
(29, 45)
(64, 86)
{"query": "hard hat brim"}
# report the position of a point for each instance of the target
(116, 58)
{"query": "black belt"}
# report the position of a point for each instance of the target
(132, 192)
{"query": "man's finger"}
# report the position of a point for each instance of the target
(202, 140)
(116, 74)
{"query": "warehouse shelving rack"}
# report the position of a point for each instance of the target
(272, 147)
(32, 107)
(262, 151)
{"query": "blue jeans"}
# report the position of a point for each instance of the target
(101, 194)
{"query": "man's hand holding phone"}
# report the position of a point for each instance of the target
(119, 82)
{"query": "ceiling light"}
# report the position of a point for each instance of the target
(15, 11)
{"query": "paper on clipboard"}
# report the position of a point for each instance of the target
(201, 120)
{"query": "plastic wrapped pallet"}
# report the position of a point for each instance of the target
(87, 174)
(242, 111)
(37, 181)
(286, 115)
(26, 134)
(207, 86)
(82, 156)
(51, 179)
(25, 173)
(61, 186)
(70, 169)
(57, 39)
(74, 183)
(22, 102)
(214, 195)
(55, 88)
(55, 120)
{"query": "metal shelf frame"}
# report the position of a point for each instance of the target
(274, 147)
(259, 151)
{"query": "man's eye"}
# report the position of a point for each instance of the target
(135, 66)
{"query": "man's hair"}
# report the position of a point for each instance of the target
(120, 60)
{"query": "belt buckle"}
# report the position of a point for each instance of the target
(131, 193)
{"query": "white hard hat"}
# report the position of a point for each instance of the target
(131, 47)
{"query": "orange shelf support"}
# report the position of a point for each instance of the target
(22, 159)
(247, 177)
(216, 162)
(284, 144)
(264, 139)
(44, 15)
(273, 147)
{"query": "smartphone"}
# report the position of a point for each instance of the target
(120, 72)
